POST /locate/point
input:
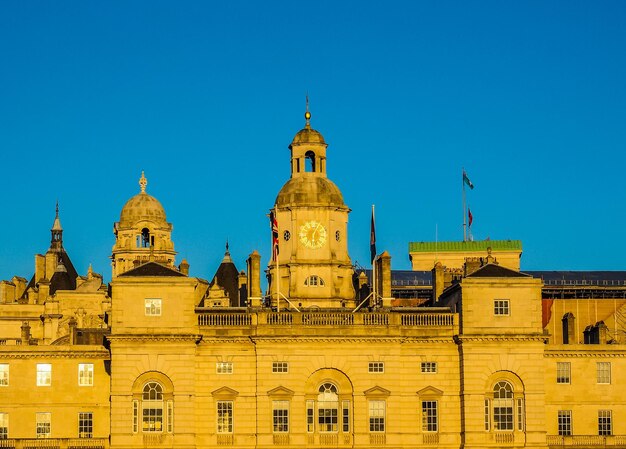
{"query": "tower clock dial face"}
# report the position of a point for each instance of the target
(312, 234)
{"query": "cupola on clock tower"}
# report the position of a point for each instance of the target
(314, 268)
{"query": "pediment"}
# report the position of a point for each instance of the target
(377, 391)
(430, 391)
(280, 391)
(225, 392)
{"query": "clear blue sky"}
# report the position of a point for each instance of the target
(529, 97)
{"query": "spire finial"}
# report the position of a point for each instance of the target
(57, 210)
(307, 114)
(227, 252)
(143, 182)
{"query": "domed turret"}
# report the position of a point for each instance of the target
(142, 207)
(142, 234)
(310, 264)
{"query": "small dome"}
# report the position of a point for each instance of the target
(142, 207)
(310, 191)
(308, 135)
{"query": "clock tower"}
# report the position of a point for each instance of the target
(312, 267)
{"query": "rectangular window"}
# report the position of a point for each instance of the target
(43, 425)
(429, 367)
(564, 418)
(501, 307)
(4, 426)
(487, 416)
(377, 416)
(563, 372)
(345, 416)
(224, 367)
(429, 416)
(153, 307)
(604, 422)
(44, 374)
(4, 374)
(170, 416)
(135, 416)
(85, 425)
(280, 416)
(376, 367)
(520, 414)
(604, 372)
(280, 367)
(85, 374)
(310, 418)
(224, 416)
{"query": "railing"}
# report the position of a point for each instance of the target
(10, 342)
(504, 437)
(378, 439)
(330, 318)
(327, 319)
(376, 319)
(586, 440)
(428, 319)
(226, 439)
(281, 439)
(430, 438)
(55, 443)
(224, 319)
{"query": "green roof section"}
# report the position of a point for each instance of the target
(476, 245)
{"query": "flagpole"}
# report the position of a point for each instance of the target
(464, 208)
(274, 250)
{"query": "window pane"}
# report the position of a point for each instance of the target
(604, 422)
(310, 419)
(44, 374)
(563, 370)
(429, 416)
(4, 426)
(377, 416)
(43, 425)
(224, 367)
(429, 367)
(604, 372)
(85, 425)
(153, 307)
(565, 422)
(224, 417)
(346, 416)
(376, 367)
(4, 374)
(280, 367)
(280, 416)
(85, 374)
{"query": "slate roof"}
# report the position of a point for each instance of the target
(497, 271)
(152, 269)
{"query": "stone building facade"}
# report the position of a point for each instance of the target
(158, 358)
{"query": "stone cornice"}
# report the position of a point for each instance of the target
(499, 338)
(322, 339)
(192, 338)
(616, 353)
(75, 354)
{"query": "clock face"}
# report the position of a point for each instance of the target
(312, 234)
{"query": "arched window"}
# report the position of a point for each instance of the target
(145, 238)
(152, 407)
(309, 161)
(153, 404)
(314, 281)
(505, 408)
(328, 408)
